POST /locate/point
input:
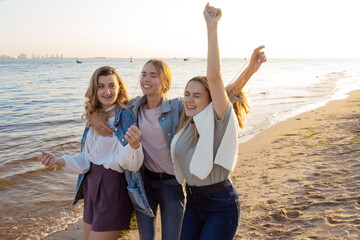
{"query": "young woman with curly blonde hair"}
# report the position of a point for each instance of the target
(103, 160)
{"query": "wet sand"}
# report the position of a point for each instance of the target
(300, 179)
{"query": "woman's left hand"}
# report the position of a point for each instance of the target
(257, 58)
(133, 136)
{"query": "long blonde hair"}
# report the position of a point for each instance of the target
(241, 108)
(92, 103)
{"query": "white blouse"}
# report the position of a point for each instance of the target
(106, 151)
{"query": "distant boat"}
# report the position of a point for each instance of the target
(77, 60)
(187, 59)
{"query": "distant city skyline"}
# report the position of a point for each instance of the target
(33, 56)
(166, 29)
(23, 56)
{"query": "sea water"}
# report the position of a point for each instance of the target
(42, 101)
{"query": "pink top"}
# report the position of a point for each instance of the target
(156, 151)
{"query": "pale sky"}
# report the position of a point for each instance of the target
(167, 28)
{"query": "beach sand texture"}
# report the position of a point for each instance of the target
(300, 179)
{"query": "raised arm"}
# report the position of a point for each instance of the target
(257, 58)
(219, 97)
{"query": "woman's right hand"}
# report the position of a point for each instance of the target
(133, 136)
(49, 160)
(212, 15)
(100, 126)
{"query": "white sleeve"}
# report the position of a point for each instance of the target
(79, 163)
(76, 164)
(130, 159)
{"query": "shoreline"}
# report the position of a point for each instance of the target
(297, 179)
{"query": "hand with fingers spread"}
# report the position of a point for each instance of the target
(257, 58)
(100, 125)
(49, 160)
(212, 15)
(133, 136)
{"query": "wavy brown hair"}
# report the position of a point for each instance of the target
(92, 103)
(241, 108)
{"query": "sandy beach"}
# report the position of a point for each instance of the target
(300, 179)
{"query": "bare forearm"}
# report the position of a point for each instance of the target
(212, 16)
(213, 62)
(257, 59)
(240, 82)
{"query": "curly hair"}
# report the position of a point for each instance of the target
(92, 103)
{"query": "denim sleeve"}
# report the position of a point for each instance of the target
(127, 119)
(132, 101)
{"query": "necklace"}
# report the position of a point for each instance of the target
(110, 108)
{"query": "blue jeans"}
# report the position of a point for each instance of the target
(169, 194)
(211, 215)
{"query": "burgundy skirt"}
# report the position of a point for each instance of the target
(107, 206)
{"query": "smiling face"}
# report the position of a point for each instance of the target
(108, 90)
(196, 98)
(150, 82)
